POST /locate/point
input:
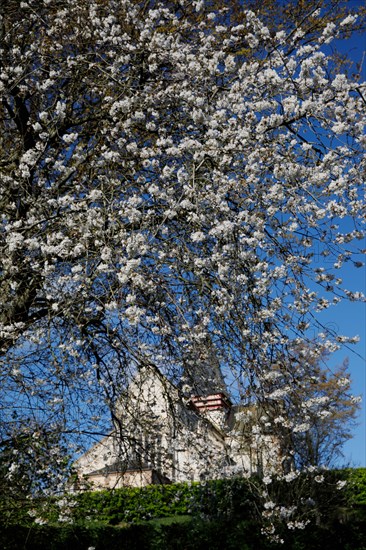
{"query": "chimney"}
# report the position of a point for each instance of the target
(212, 402)
(215, 407)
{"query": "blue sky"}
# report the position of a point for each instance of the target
(349, 318)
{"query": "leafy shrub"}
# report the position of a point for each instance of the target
(216, 514)
(133, 504)
(357, 486)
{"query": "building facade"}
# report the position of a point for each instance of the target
(162, 435)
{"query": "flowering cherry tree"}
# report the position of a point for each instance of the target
(169, 177)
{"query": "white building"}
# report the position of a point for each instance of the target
(163, 436)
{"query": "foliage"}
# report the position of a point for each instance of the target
(214, 499)
(318, 500)
(170, 176)
(222, 516)
(357, 487)
(134, 504)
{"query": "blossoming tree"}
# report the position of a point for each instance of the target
(169, 175)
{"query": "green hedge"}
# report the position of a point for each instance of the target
(133, 504)
(216, 514)
(231, 498)
(357, 486)
(211, 499)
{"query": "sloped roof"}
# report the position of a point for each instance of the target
(202, 373)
